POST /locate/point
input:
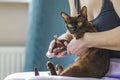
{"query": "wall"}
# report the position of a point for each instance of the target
(13, 23)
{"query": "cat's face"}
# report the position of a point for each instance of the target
(75, 23)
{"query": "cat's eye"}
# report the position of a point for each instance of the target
(79, 24)
(69, 25)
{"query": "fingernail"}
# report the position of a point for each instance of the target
(52, 55)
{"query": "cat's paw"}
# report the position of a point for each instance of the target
(51, 68)
(50, 65)
(36, 71)
(59, 68)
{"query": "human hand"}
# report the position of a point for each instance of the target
(77, 47)
(57, 48)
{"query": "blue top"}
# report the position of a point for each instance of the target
(106, 20)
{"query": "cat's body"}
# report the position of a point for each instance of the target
(95, 62)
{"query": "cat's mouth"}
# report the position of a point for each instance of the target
(72, 31)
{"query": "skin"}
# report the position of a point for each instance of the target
(98, 39)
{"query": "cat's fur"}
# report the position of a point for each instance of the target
(95, 62)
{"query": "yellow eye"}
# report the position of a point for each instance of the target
(79, 24)
(69, 25)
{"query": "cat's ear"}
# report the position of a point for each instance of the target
(84, 11)
(65, 16)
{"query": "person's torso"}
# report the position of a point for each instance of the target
(106, 19)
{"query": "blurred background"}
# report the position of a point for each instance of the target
(26, 29)
(13, 32)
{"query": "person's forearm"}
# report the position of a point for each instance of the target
(107, 39)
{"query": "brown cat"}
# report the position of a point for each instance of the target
(95, 63)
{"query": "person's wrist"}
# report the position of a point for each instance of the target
(87, 40)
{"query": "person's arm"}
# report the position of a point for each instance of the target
(73, 11)
(107, 39)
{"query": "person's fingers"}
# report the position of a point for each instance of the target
(56, 46)
(65, 43)
(59, 50)
(68, 50)
(56, 51)
(62, 54)
(59, 55)
(59, 42)
(73, 52)
(51, 46)
(50, 55)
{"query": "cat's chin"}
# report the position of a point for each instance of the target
(72, 32)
